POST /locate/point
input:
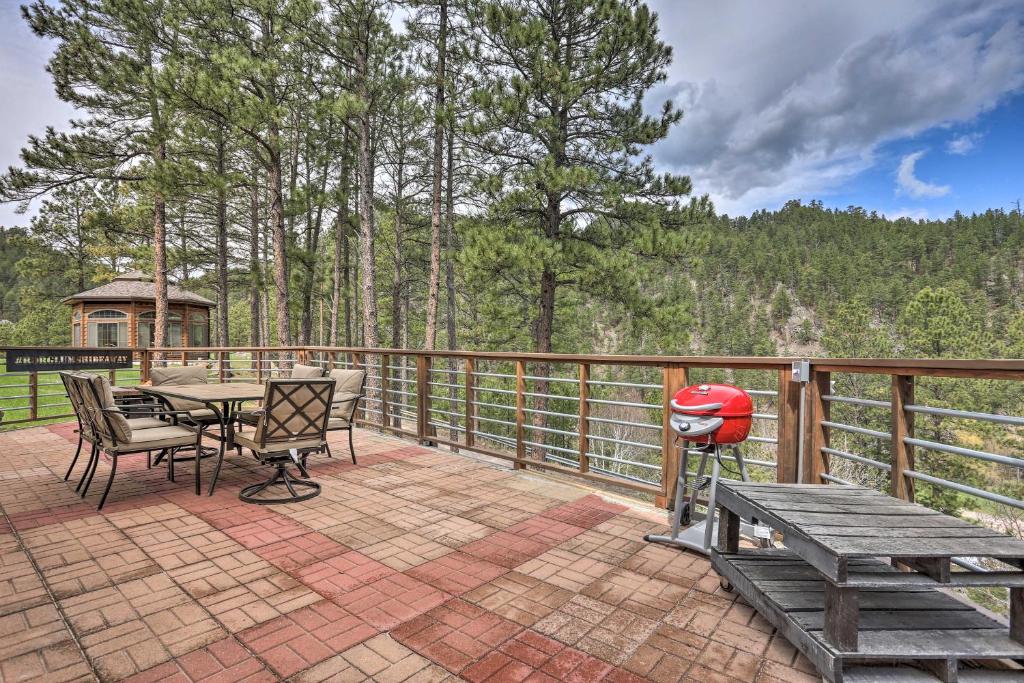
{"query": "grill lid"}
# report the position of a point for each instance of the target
(719, 400)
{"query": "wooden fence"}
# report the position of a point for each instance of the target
(605, 417)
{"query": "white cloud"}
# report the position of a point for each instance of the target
(909, 184)
(780, 102)
(912, 214)
(963, 144)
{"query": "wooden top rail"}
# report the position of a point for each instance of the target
(942, 367)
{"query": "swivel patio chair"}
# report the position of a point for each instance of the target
(114, 435)
(351, 385)
(299, 371)
(291, 424)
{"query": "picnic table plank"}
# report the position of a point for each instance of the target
(837, 595)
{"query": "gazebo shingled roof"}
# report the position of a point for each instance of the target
(137, 286)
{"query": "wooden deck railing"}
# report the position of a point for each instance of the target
(605, 417)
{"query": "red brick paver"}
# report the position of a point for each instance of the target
(414, 565)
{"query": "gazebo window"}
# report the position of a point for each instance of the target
(147, 329)
(107, 328)
(76, 329)
(198, 330)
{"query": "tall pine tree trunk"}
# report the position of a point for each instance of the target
(434, 284)
(367, 229)
(340, 236)
(284, 337)
(160, 255)
(222, 241)
(450, 241)
(449, 225)
(255, 267)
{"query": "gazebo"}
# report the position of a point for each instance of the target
(122, 313)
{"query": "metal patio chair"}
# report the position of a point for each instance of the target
(114, 435)
(84, 430)
(291, 424)
(350, 389)
(196, 413)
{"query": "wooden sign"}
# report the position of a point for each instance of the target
(51, 360)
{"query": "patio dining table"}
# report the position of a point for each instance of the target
(222, 399)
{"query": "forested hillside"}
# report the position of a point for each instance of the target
(804, 280)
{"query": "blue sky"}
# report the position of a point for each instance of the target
(974, 166)
(846, 102)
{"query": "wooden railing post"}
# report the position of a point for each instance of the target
(673, 378)
(258, 355)
(520, 414)
(385, 412)
(221, 359)
(423, 432)
(470, 367)
(789, 428)
(902, 486)
(33, 395)
(143, 366)
(584, 417)
(817, 437)
(357, 363)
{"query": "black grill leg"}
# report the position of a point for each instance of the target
(74, 459)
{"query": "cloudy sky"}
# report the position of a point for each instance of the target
(914, 107)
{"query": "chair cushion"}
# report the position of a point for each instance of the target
(347, 386)
(189, 374)
(247, 439)
(145, 422)
(347, 381)
(159, 437)
(300, 371)
(181, 376)
(118, 422)
(337, 423)
(185, 404)
(203, 413)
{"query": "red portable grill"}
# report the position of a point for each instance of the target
(705, 417)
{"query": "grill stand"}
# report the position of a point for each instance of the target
(699, 537)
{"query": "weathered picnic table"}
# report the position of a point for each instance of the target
(858, 581)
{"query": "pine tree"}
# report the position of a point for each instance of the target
(111, 62)
(559, 125)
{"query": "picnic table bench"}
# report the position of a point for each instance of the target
(860, 579)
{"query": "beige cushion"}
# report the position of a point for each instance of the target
(247, 439)
(118, 422)
(159, 437)
(337, 423)
(181, 376)
(189, 374)
(300, 371)
(347, 381)
(347, 385)
(145, 422)
(202, 414)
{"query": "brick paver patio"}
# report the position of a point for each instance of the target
(414, 565)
